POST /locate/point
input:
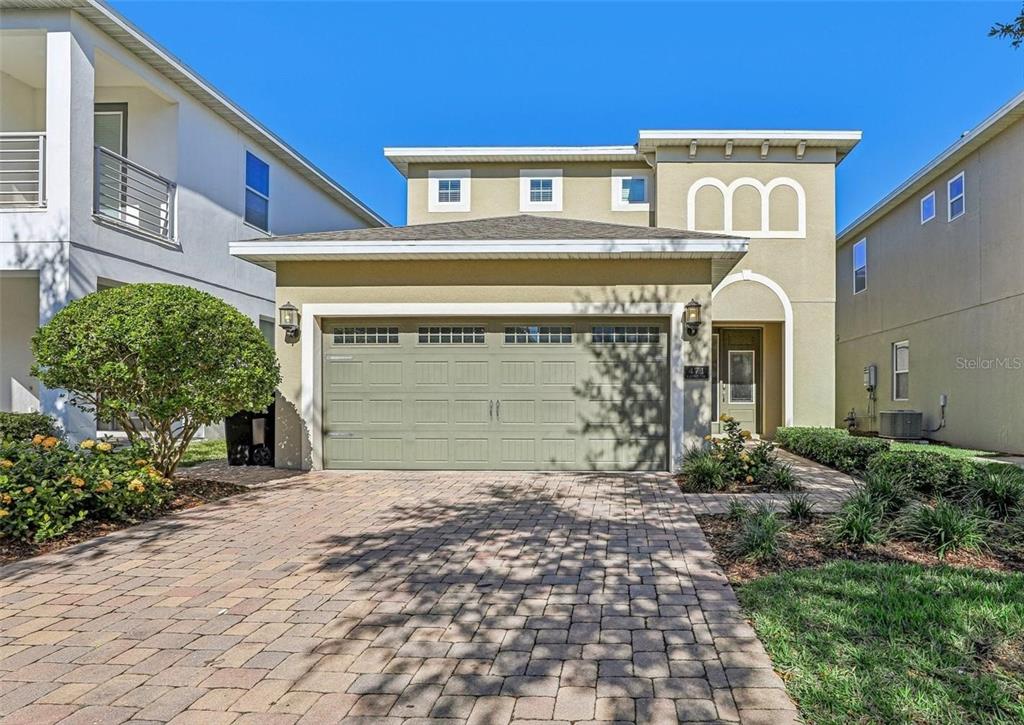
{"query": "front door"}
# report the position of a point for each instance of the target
(739, 379)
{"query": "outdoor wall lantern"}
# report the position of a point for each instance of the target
(692, 317)
(288, 320)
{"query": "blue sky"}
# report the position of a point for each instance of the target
(339, 81)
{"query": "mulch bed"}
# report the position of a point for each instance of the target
(738, 487)
(806, 545)
(189, 493)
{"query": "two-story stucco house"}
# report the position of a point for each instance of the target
(566, 308)
(119, 164)
(931, 294)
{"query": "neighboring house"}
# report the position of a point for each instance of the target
(931, 292)
(533, 314)
(119, 164)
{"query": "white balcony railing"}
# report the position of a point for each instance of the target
(22, 170)
(133, 197)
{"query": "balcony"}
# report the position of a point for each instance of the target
(132, 198)
(22, 170)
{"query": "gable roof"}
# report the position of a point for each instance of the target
(1004, 117)
(152, 53)
(512, 237)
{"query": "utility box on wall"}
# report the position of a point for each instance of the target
(900, 424)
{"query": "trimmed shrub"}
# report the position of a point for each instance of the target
(800, 509)
(759, 534)
(22, 426)
(1000, 489)
(944, 525)
(926, 472)
(859, 521)
(831, 446)
(47, 487)
(162, 360)
(702, 471)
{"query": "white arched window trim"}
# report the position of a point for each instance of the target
(747, 275)
(765, 191)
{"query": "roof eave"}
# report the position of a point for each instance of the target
(1006, 115)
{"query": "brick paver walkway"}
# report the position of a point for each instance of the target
(391, 597)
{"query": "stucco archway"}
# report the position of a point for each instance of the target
(747, 275)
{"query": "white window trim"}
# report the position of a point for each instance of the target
(895, 346)
(925, 198)
(620, 175)
(853, 281)
(526, 175)
(434, 176)
(950, 198)
(246, 187)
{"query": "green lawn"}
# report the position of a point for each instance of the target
(201, 451)
(941, 450)
(870, 642)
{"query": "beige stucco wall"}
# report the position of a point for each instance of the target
(800, 266)
(620, 282)
(955, 290)
(586, 192)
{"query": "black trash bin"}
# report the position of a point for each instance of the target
(250, 437)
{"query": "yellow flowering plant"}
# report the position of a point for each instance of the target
(48, 487)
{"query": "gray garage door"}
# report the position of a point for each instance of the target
(573, 394)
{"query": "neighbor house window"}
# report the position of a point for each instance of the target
(629, 190)
(454, 335)
(448, 190)
(901, 370)
(538, 335)
(928, 208)
(540, 190)
(957, 199)
(257, 192)
(860, 266)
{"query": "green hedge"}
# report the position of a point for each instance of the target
(22, 426)
(927, 472)
(831, 446)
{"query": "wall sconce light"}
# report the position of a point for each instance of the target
(288, 320)
(691, 318)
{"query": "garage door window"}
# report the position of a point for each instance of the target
(463, 335)
(538, 335)
(365, 335)
(626, 333)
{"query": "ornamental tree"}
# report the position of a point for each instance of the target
(160, 359)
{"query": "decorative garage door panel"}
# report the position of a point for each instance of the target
(575, 394)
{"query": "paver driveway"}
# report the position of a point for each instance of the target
(391, 597)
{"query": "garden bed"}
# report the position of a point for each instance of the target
(808, 544)
(188, 493)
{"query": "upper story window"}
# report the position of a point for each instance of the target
(257, 192)
(928, 208)
(630, 190)
(860, 266)
(448, 190)
(540, 190)
(957, 196)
